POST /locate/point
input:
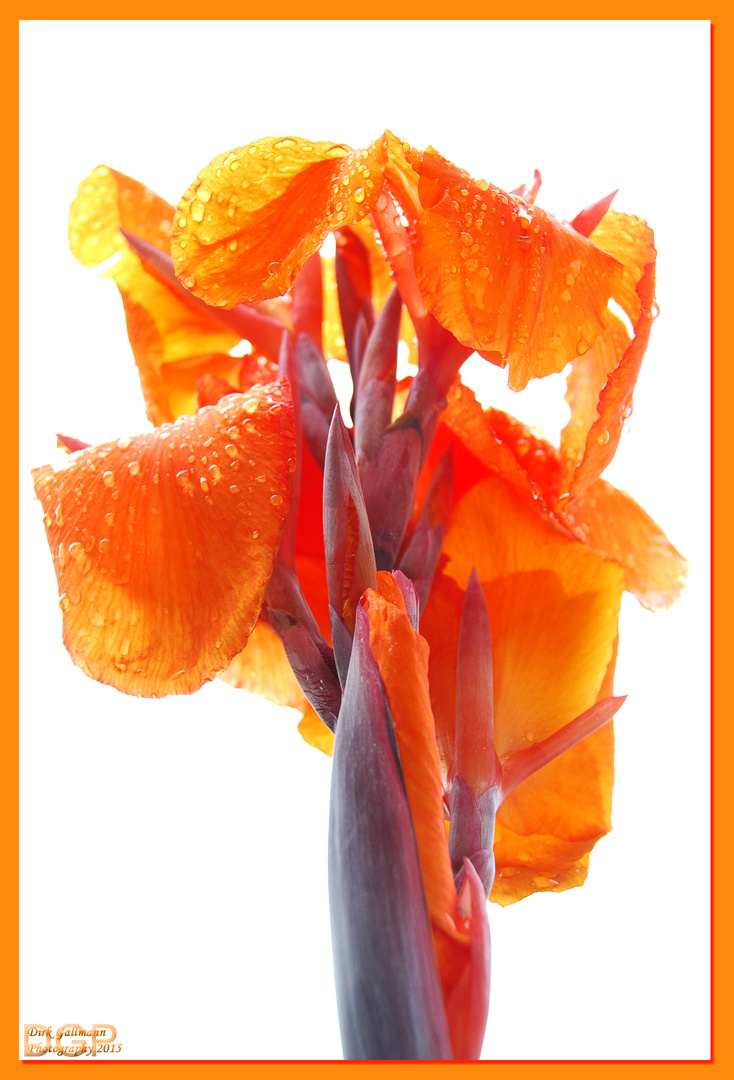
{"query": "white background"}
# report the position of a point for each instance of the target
(173, 853)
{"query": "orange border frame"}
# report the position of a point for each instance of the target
(723, 530)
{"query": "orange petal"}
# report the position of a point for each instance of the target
(585, 382)
(163, 329)
(615, 399)
(503, 445)
(504, 277)
(402, 658)
(631, 241)
(610, 521)
(163, 543)
(254, 215)
(538, 458)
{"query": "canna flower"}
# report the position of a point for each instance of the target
(437, 589)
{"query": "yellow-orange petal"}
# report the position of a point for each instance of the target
(262, 668)
(402, 658)
(631, 241)
(254, 215)
(584, 384)
(553, 605)
(537, 863)
(615, 399)
(314, 731)
(163, 543)
(108, 201)
(164, 330)
(504, 277)
(610, 521)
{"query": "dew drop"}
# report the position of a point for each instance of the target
(104, 545)
(183, 478)
(134, 468)
(276, 499)
(197, 211)
(76, 550)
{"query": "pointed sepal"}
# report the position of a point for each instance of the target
(522, 764)
(350, 558)
(318, 397)
(475, 756)
(376, 388)
(420, 559)
(398, 455)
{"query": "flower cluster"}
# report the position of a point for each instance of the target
(436, 588)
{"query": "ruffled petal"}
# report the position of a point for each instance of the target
(631, 241)
(254, 215)
(506, 278)
(610, 521)
(108, 201)
(163, 543)
(164, 330)
(584, 384)
(615, 399)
